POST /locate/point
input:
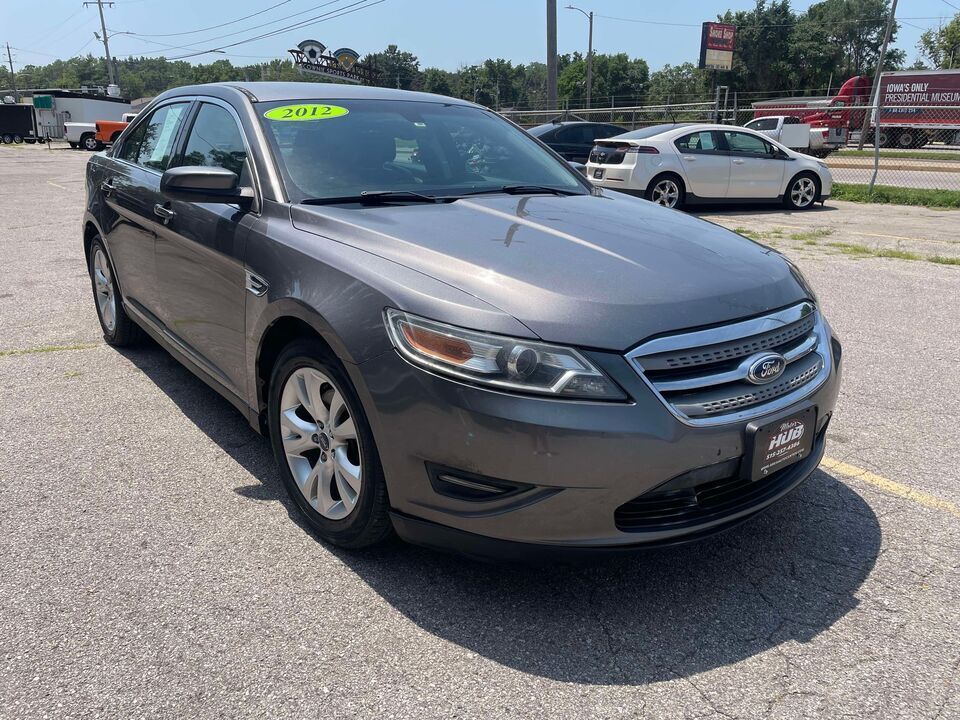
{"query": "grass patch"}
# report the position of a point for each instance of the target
(910, 154)
(810, 237)
(864, 251)
(760, 236)
(47, 349)
(943, 260)
(887, 194)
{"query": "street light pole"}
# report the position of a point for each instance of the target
(589, 16)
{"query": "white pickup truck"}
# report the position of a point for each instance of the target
(81, 134)
(795, 134)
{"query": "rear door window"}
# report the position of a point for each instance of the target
(704, 141)
(151, 144)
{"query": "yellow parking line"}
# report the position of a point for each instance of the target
(51, 182)
(891, 486)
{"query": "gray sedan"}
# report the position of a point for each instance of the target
(448, 333)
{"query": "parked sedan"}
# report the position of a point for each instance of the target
(673, 165)
(489, 356)
(574, 139)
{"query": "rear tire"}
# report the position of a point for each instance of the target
(7, 138)
(666, 189)
(17, 139)
(325, 449)
(802, 191)
(118, 329)
(89, 142)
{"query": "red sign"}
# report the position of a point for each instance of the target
(719, 36)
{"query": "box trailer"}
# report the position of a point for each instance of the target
(18, 123)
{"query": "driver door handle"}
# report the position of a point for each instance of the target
(163, 212)
(738, 161)
(689, 158)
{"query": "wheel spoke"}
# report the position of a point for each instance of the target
(298, 444)
(346, 430)
(346, 469)
(325, 502)
(295, 424)
(314, 383)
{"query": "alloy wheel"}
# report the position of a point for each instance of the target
(803, 192)
(320, 443)
(106, 298)
(666, 193)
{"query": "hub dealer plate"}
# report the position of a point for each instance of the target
(598, 173)
(780, 443)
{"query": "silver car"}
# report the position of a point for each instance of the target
(446, 332)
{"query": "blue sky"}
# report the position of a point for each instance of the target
(443, 33)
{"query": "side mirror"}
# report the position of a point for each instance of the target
(205, 185)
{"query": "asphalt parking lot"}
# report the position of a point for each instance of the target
(151, 565)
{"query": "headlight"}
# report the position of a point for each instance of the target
(497, 361)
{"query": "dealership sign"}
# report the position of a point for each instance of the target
(716, 46)
(312, 57)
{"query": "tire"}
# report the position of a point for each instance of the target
(666, 189)
(320, 454)
(89, 142)
(907, 139)
(17, 139)
(118, 329)
(802, 191)
(74, 145)
(7, 139)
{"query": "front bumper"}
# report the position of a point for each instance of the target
(583, 460)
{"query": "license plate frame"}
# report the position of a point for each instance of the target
(777, 444)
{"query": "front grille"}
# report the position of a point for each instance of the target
(691, 500)
(702, 375)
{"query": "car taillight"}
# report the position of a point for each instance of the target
(642, 149)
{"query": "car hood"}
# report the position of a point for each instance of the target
(603, 271)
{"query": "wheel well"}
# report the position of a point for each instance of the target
(89, 233)
(658, 176)
(281, 333)
(86, 135)
(810, 174)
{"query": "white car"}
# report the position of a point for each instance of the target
(673, 165)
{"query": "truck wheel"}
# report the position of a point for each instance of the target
(89, 142)
(802, 192)
(7, 138)
(907, 139)
(887, 138)
(17, 139)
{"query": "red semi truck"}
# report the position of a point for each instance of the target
(917, 107)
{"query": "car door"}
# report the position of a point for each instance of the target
(200, 251)
(131, 188)
(756, 169)
(706, 165)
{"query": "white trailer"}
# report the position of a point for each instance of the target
(56, 107)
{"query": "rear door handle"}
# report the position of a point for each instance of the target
(163, 212)
(738, 162)
(106, 188)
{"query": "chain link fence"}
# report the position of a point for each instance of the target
(903, 146)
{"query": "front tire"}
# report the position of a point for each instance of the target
(325, 448)
(118, 329)
(666, 190)
(802, 192)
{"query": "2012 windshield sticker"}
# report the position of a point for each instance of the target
(305, 113)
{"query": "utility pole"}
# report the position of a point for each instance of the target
(551, 54)
(875, 92)
(13, 77)
(589, 16)
(106, 45)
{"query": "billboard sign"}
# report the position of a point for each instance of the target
(312, 57)
(716, 46)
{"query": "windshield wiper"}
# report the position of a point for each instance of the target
(527, 190)
(375, 197)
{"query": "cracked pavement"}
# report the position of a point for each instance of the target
(152, 566)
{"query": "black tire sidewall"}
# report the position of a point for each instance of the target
(360, 527)
(788, 197)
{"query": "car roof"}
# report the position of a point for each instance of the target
(654, 131)
(540, 129)
(274, 91)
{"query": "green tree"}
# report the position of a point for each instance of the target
(942, 46)
(398, 69)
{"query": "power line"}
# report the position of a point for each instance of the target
(340, 12)
(214, 27)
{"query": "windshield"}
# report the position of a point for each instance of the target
(342, 148)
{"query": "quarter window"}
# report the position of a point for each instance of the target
(215, 141)
(151, 143)
(739, 142)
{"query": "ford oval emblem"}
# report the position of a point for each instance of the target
(766, 368)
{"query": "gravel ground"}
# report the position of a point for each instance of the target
(152, 567)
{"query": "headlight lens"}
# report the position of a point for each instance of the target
(498, 361)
